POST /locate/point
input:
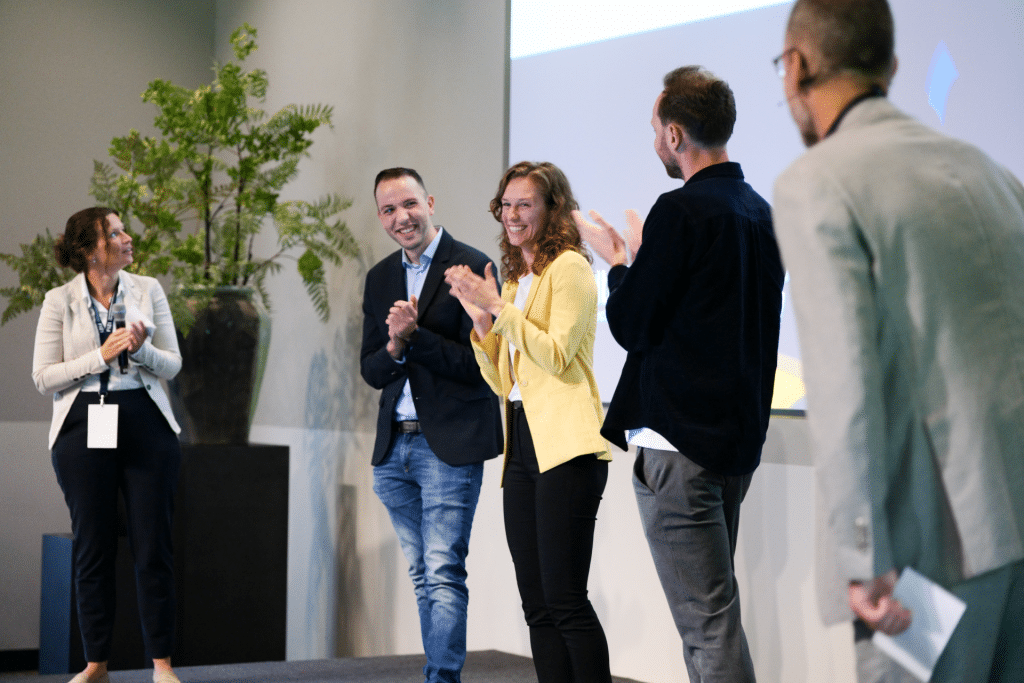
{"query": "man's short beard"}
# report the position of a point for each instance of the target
(673, 169)
(810, 136)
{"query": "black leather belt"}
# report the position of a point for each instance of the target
(407, 426)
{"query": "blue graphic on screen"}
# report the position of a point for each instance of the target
(941, 75)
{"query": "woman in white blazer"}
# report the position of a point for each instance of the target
(112, 429)
(537, 352)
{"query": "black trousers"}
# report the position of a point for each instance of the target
(144, 468)
(549, 524)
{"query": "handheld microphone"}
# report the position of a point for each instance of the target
(119, 313)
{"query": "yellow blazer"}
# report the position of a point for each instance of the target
(554, 340)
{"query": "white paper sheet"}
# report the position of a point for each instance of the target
(936, 613)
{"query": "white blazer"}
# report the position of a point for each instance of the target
(906, 252)
(67, 344)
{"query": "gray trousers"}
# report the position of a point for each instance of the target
(691, 516)
(987, 645)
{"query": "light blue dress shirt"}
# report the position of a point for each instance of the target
(415, 276)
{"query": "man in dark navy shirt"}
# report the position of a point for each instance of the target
(698, 314)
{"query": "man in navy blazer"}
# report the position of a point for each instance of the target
(698, 314)
(438, 420)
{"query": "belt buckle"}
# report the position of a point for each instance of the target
(407, 426)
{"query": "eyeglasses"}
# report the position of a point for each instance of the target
(779, 64)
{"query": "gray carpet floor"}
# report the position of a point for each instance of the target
(487, 666)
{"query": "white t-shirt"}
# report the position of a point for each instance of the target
(522, 294)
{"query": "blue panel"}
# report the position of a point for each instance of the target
(55, 604)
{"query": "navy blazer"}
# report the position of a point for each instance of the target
(457, 411)
(698, 314)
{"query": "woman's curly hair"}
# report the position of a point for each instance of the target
(559, 232)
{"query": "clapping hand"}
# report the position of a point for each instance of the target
(401, 322)
(129, 338)
(634, 232)
(478, 295)
(606, 241)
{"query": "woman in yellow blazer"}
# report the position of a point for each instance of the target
(535, 346)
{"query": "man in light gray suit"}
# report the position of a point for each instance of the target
(906, 252)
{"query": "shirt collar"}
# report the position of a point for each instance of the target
(119, 284)
(875, 91)
(428, 254)
(725, 169)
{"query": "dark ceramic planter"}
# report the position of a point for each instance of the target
(223, 356)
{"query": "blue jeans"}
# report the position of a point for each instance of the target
(431, 505)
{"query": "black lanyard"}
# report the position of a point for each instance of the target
(104, 331)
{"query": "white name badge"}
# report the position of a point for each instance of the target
(102, 432)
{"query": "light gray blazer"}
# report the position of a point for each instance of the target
(67, 344)
(906, 253)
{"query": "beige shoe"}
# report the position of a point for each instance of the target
(166, 677)
(82, 678)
